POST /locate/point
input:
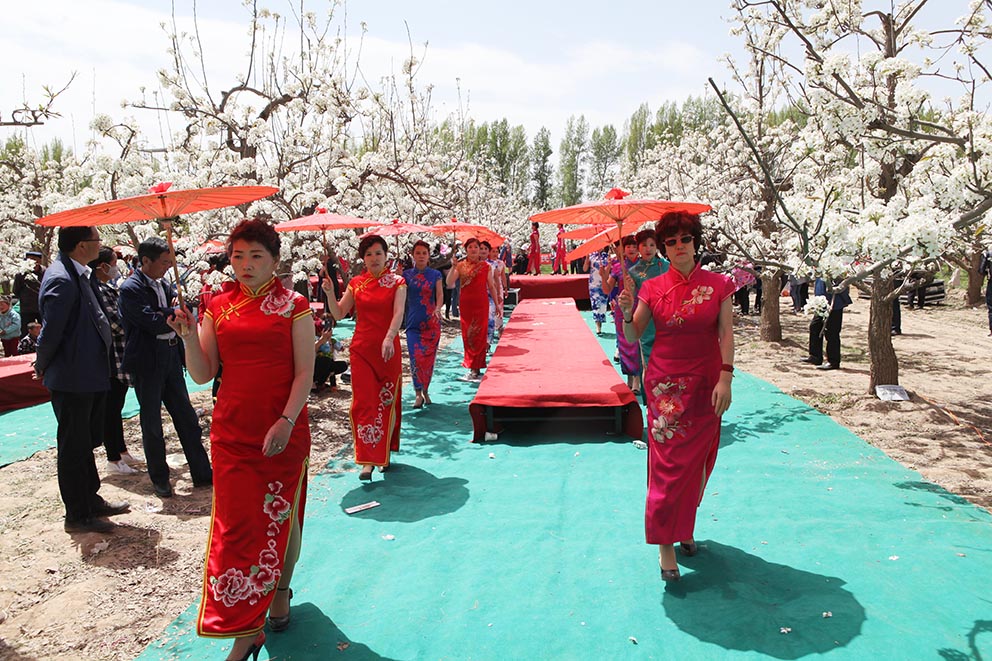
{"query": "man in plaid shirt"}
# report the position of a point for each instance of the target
(105, 271)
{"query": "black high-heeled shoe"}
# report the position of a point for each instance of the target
(280, 623)
(670, 575)
(366, 474)
(255, 648)
(688, 549)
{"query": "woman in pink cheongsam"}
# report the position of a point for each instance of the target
(687, 381)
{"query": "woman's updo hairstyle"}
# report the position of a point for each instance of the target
(255, 230)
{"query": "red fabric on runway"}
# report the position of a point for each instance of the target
(551, 286)
(548, 357)
(17, 389)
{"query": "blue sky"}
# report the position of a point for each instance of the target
(535, 63)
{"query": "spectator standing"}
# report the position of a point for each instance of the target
(73, 360)
(829, 328)
(26, 288)
(985, 268)
(10, 327)
(153, 360)
(105, 272)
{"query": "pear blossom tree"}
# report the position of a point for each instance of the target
(895, 173)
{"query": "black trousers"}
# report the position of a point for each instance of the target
(743, 299)
(80, 418)
(113, 424)
(324, 368)
(896, 315)
(829, 330)
(165, 385)
(988, 300)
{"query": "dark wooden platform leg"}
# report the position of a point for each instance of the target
(490, 421)
(617, 420)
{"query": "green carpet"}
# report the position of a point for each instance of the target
(531, 547)
(26, 431)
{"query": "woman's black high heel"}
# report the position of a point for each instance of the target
(689, 549)
(255, 648)
(366, 474)
(281, 623)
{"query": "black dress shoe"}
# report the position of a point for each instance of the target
(88, 525)
(810, 360)
(163, 490)
(209, 482)
(110, 509)
(827, 366)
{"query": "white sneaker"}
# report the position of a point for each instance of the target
(128, 459)
(121, 467)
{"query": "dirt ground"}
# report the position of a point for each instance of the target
(89, 596)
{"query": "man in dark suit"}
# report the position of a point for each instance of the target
(26, 287)
(73, 359)
(154, 361)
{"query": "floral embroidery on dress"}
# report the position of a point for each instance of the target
(390, 280)
(371, 434)
(279, 301)
(233, 585)
(697, 296)
(669, 407)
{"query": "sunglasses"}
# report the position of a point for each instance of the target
(685, 238)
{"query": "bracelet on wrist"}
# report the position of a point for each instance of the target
(288, 419)
(727, 367)
(628, 321)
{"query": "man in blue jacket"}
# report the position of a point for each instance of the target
(73, 359)
(153, 359)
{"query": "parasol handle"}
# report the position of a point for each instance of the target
(623, 262)
(175, 266)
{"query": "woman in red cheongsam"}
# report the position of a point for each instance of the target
(259, 439)
(686, 380)
(477, 286)
(378, 297)
(534, 252)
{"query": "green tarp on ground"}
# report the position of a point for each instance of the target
(531, 547)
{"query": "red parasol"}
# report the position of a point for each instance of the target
(605, 237)
(162, 205)
(465, 231)
(212, 247)
(617, 208)
(589, 231)
(321, 221)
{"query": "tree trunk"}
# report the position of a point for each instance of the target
(975, 295)
(771, 323)
(881, 354)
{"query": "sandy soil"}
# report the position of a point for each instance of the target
(106, 597)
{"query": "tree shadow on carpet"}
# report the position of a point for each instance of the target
(740, 602)
(959, 503)
(764, 422)
(314, 636)
(407, 494)
(973, 652)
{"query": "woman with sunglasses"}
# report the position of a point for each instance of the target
(687, 381)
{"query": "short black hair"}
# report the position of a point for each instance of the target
(420, 244)
(70, 237)
(368, 242)
(470, 241)
(152, 248)
(486, 244)
(628, 240)
(106, 256)
(256, 230)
